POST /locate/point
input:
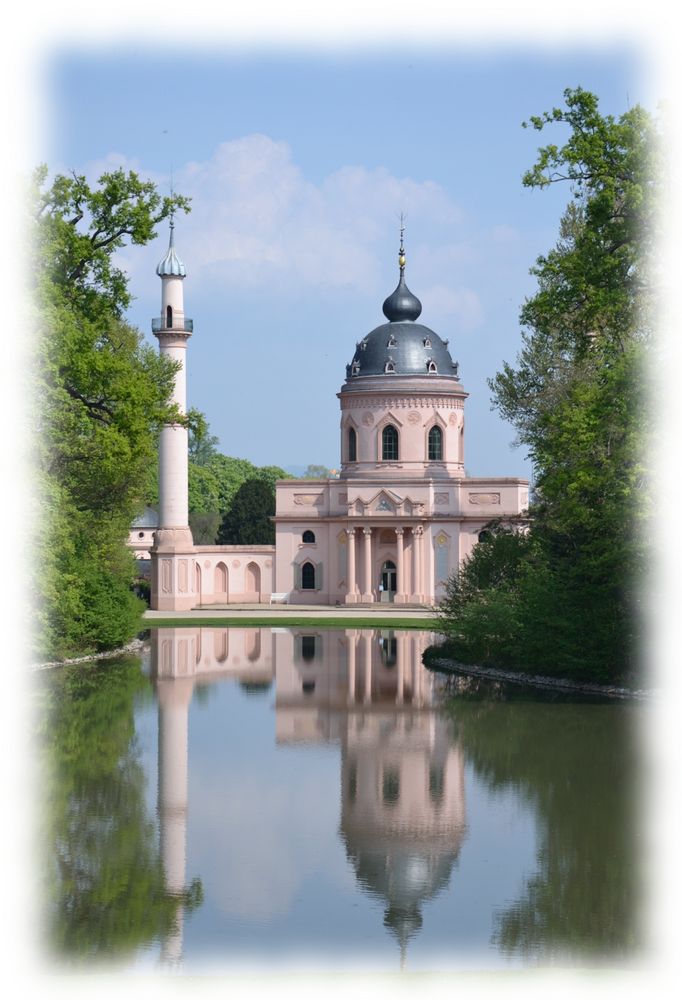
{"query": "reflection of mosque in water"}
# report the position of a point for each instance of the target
(402, 774)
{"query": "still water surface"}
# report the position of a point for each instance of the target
(269, 798)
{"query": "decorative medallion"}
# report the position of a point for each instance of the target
(268, 563)
(308, 499)
(368, 419)
(453, 419)
(440, 498)
(442, 539)
(207, 563)
(484, 499)
(413, 417)
(236, 563)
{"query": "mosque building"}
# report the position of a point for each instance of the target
(392, 528)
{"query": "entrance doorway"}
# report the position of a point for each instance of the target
(388, 582)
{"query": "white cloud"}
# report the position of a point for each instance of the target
(446, 303)
(257, 221)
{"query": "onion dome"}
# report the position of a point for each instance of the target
(171, 265)
(402, 304)
(402, 346)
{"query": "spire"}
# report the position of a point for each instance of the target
(402, 305)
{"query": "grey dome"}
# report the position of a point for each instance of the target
(402, 348)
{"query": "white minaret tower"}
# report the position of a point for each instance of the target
(173, 551)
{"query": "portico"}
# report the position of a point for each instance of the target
(385, 563)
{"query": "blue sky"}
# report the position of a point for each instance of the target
(299, 163)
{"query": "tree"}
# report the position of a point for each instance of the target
(101, 396)
(575, 396)
(202, 445)
(249, 520)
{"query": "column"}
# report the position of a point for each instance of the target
(368, 596)
(417, 568)
(352, 644)
(400, 668)
(351, 596)
(367, 649)
(400, 596)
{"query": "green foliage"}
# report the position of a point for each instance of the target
(105, 875)
(101, 396)
(249, 520)
(575, 396)
(202, 445)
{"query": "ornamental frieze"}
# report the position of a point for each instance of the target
(403, 402)
(484, 499)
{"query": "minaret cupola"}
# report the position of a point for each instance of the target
(171, 265)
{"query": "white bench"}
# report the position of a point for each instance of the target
(283, 598)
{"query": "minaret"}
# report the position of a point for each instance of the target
(172, 554)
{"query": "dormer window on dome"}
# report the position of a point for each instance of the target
(355, 368)
(432, 367)
(392, 342)
(427, 342)
(389, 367)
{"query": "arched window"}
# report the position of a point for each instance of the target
(485, 535)
(435, 445)
(309, 536)
(432, 368)
(389, 444)
(307, 576)
(352, 445)
(169, 316)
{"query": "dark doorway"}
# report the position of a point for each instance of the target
(388, 582)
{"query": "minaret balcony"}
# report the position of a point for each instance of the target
(185, 325)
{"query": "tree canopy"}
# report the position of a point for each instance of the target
(100, 397)
(249, 519)
(575, 396)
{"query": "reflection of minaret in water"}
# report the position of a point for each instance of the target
(402, 775)
(178, 657)
(174, 694)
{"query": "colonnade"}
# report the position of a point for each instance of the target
(411, 586)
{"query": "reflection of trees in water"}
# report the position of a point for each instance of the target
(575, 765)
(106, 877)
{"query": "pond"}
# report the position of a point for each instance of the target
(269, 798)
